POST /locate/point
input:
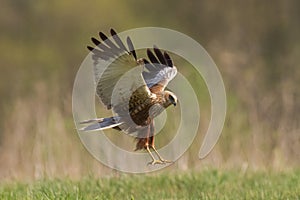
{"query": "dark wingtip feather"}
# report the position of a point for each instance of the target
(95, 41)
(151, 56)
(109, 43)
(159, 55)
(131, 48)
(113, 32)
(118, 40)
(103, 36)
(168, 59)
(90, 48)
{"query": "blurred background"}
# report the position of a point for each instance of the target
(255, 44)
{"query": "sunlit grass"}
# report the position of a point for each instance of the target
(210, 184)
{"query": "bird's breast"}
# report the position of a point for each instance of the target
(140, 109)
(139, 113)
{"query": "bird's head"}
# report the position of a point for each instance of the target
(170, 98)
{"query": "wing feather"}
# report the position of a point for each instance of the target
(120, 62)
(118, 40)
(159, 55)
(107, 41)
(168, 59)
(126, 77)
(148, 66)
(160, 71)
(151, 56)
(95, 41)
(131, 48)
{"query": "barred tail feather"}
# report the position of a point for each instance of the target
(100, 124)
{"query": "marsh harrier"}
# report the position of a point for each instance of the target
(133, 88)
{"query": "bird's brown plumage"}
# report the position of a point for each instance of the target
(133, 88)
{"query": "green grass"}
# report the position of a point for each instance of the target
(211, 184)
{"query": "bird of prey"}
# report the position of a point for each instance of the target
(137, 98)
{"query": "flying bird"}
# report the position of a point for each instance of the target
(133, 88)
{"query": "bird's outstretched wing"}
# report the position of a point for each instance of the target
(127, 82)
(120, 60)
(159, 71)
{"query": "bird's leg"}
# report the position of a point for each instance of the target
(159, 156)
(153, 146)
(154, 160)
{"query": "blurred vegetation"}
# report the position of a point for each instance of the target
(255, 44)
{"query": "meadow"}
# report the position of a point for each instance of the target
(208, 184)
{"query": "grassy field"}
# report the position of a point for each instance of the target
(211, 184)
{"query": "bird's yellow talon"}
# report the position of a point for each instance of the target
(154, 162)
(162, 161)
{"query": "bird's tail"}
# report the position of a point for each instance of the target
(101, 124)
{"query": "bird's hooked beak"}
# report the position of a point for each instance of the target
(170, 98)
(174, 102)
